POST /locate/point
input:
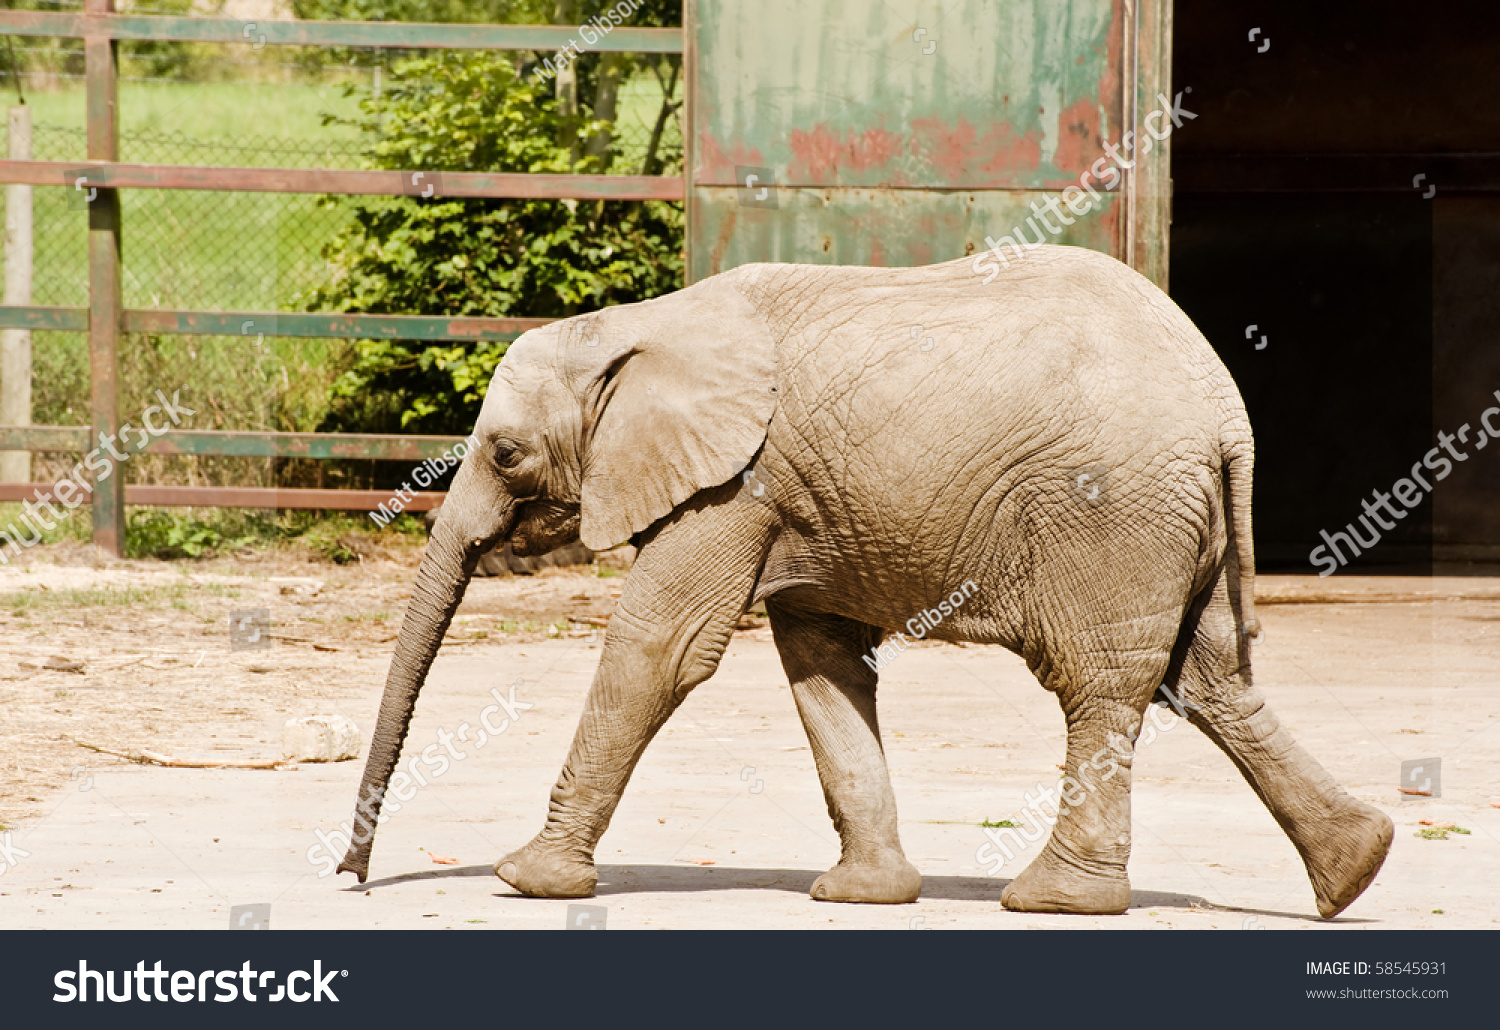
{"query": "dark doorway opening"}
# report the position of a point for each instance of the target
(1340, 193)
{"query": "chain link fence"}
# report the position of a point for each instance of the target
(186, 249)
(246, 251)
(192, 250)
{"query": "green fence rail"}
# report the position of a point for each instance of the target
(99, 23)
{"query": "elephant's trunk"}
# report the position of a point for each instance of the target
(452, 554)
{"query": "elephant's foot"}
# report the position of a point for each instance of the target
(543, 872)
(1347, 853)
(887, 880)
(1053, 884)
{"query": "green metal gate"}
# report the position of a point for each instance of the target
(905, 134)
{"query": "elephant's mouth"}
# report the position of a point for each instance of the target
(544, 525)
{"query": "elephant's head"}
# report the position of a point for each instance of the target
(593, 427)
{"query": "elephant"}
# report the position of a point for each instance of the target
(1056, 448)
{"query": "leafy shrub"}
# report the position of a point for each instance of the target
(162, 533)
(210, 532)
(477, 112)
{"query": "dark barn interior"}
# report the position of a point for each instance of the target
(1351, 214)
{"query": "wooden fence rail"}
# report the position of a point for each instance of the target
(92, 175)
(240, 444)
(97, 22)
(277, 323)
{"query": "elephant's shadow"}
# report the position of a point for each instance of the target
(692, 879)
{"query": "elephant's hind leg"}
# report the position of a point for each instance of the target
(1081, 869)
(1103, 688)
(1343, 841)
(835, 694)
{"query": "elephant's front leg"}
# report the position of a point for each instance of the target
(688, 587)
(835, 694)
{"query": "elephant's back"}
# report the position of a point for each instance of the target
(1065, 345)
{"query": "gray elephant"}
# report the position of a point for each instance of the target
(1059, 448)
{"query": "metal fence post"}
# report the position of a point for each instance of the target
(1151, 179)
(15, 344)
(102, 86)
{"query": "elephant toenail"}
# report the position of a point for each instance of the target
(508, 872)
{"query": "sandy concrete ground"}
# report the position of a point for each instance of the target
(724, 824)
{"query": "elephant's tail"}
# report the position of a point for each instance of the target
(1239, 471)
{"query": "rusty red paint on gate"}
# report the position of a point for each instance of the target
(818, 155)
(956, 151)
(717, 162)
(1080, 141)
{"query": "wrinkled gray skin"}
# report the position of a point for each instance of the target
(910, 430)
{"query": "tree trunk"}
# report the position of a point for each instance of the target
(605, 107)
(565, 83)
(652, 164)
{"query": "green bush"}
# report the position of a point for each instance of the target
(474, 112)
(158, 533)
(212, 532)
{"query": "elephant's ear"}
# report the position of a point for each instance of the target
(684, 389)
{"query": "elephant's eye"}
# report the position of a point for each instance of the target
(507, 454)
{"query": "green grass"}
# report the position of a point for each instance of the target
(183, 248)
(75, 527)
(174, 596)
(1002, 824)
(197, 250)
(177, 597)
(228, 110)
(640, 99)
(513, 626)
(173, 533)
(321, 532)
(211, 251)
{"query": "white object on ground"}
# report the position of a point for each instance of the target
(320, 738)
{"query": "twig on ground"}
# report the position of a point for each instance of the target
(314, 644)
(152, 758)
